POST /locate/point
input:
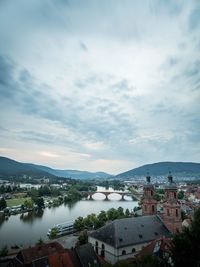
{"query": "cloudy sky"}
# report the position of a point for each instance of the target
(100, 85)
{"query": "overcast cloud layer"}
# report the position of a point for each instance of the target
(100, 85)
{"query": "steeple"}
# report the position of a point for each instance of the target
(171, 206)
(149, 204)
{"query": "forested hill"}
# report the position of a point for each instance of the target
(9, 167)
(163, 168)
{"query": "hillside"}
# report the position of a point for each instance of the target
(9, 167)
(163, 168)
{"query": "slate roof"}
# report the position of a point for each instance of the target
(87, 256)
(131, 231)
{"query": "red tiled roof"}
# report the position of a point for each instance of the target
(33, 253)
(60, 260)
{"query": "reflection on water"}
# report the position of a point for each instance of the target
(71, 204)
(31, 216)
(2, 220)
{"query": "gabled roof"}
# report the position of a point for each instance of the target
(87, 256)
(31, 254)
(131, 231)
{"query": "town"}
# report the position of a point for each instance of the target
(162, 208)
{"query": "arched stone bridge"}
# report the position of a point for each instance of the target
(106, 194)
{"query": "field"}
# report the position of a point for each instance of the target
(16, 201)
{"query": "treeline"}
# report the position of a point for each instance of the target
(93, 221)
(115, 184)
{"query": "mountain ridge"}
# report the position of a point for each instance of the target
(10, 167)
(162, 168)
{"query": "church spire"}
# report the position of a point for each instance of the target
(171, 206)
(149, 204)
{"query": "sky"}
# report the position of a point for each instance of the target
(105, 85)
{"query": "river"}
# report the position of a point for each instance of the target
(28, 228)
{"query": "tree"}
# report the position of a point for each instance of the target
(83, 237)
(53, 233)
(181, 194)
(28, 204)
(39, 242)
(112, 214)
(39, 202)
(4, 251)
(34, 193)
(3, 204)
(79, 223)
(120, 211)
(186, 246)
(127, 213)
(157, 197)
(2, 189)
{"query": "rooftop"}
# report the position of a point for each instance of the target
(131, 231)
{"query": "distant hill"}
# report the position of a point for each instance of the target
(9, 167)
(73, 173)
(163, 168)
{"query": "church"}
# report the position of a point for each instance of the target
(124, 238)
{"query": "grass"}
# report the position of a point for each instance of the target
(16, 201)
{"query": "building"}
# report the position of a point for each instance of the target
(149, 204)
(124, 238)
(172, 207)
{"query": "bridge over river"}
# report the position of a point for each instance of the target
(107, 193)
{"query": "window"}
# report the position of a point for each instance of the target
(153, 208)
(176, 213)
(133, 250)
(174, 194)
(102, 250)
(124, 252)
(145, 207)
(151, 193)
(96, 247)
(168, 212)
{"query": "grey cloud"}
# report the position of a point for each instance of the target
(194, 18)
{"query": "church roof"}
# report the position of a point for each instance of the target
(131, 231)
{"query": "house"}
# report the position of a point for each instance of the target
(125, 238)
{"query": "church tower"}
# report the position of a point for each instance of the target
(171, 207)
(149, 204)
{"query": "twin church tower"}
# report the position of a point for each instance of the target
(171, 216)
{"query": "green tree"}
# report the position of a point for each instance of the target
(39, 202)
(83, 237)
(79, 223)
(2, 189)
(4, 251)
(181, 194)
(34, 193)
(28, 204)
(186, 246)
(53, 233)
(3, 204)
(127, 213)
(157, 197)
(112, 214)
(120, 212)
(40, 242)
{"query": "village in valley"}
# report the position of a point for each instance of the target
(164, 212)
